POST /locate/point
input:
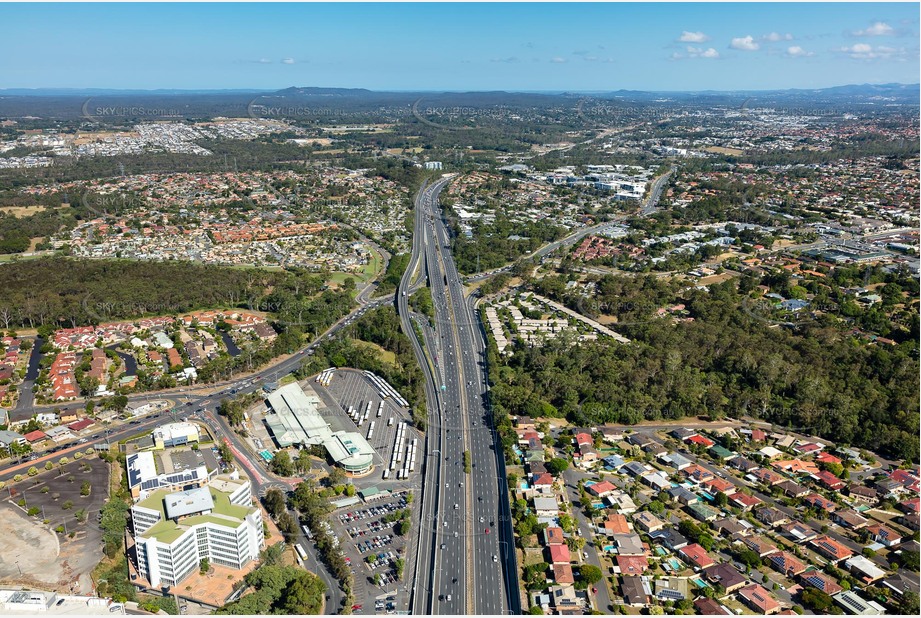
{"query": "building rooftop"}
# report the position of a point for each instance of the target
(223, 512)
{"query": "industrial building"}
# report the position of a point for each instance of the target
(296, 421)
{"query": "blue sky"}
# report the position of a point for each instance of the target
(649, 46)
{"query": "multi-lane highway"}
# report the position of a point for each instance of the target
(465, 534)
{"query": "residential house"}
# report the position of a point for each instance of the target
(682, 495)
(768, 476)
(793, 490)
(787, 564)
(798, 532)
(631, 565)
(829, 480)
(656, 481)
(553, 535)
(699, 440)
(759, 545)
(820, 503)
(830, 548)
(616, 524)
(743, 464)
(675, 460)
(864, 569)
(671, 538)
(697, 474)
(558, 554)
(855, 604)
(34, 437)
(682, 433)
(672, 588)
(771, 516)
(718, 485)
(586, 456)
(647, 522)
(759, 600)
(821, 581)
(601, 490)
(703, 512)
(8, 438)
(562, 574)
(730, 527)
(850, 519)
(726, 575)
(718, 452)
(543, 484)
(635, 469)
(744, 501)
(862, 494)
(696, 556)
(612, 462)
(635, 591)
(628, 544)
(796, 466)
(709, 607)
(546, 506)
(902, 582)
(884, 535)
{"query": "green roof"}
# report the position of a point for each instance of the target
(166, 531)
(721, 452)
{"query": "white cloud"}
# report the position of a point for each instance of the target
(744, 43)
(697, 52)
(774, 37)
(287, 60)
(877, 29)
(557, 60)
(795, 51)
(264, 61)
(693, 37)
(862, 51)
(509, 60)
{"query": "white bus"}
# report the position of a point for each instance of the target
(301, 554)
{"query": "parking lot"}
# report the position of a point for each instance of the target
(372, 552)
(178, 459)
(352, 389)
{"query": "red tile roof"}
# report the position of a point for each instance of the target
(696, 555)
(632, 565)
(559, 554)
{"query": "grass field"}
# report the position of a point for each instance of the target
(384, 355)
(22, 211)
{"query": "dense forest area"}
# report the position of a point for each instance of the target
(65, 292)
(498, 243)
(727, 362)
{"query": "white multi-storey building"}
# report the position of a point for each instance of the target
(175, 531)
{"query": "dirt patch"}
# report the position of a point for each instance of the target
(724, 150)
(54, 560)
(28, 551)
(22, 211)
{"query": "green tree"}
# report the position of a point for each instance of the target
(557, 466)
(282, 464)
(274, 501)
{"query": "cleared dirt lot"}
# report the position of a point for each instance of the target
(46, 558)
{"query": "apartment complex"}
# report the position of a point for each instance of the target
(174, 531)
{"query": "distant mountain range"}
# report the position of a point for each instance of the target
(314, 91)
